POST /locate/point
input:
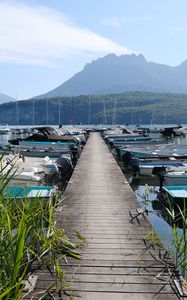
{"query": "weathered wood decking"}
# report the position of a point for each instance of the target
(113, 265)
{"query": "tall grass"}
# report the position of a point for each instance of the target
(178, 215)
(28, 240)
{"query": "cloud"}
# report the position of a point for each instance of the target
(39, 35)
(120, 21)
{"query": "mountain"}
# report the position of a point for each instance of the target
(5, 98)
(118, 74)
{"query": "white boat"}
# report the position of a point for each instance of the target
(170, 150)
(180, 131)
(37, 153)
(45, 145)
(28, 170)
(147, 169)
(154, 129)
(175, 178)
(5, 130)
(73, 132)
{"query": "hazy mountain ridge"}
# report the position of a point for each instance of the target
(119, 74)
(5, 98)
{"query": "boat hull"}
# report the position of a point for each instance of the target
(175, 179)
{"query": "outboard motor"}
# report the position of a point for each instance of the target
(75, 153)
(65, 166)
(134, 163)
(127, 156)
(160, 172)
(51, 172)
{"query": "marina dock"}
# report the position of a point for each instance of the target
(116, 263)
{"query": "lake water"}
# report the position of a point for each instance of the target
(146, 192)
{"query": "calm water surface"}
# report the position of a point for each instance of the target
(146, 192)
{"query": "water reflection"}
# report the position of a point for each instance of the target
(4, 138)
(169, 212)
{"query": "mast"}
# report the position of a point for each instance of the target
(59, 123)
(140, 113)
(104, 113)
(165, 114)
(114, 114)
(47, 111)
(73, 111)
(17, 110)
(132, 113)
(89, 107)
(33, 121)
(153, 117)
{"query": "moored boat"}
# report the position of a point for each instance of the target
(169, 131)
(5, 129)
(176, 151)
(176, 195)
(45, 134)
(45, 193)
(146, 169)
(175, 178)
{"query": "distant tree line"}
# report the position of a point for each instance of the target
(130, 107)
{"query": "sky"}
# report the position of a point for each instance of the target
(43, 43)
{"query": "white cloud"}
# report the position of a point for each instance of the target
(120, 21)
(40, 35)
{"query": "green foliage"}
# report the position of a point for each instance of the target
(29, 239)
(141, 107)
(176, 214)
(179, 249)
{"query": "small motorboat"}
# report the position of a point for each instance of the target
(147, 168)
(44, 193)
(28, 171)
(5, 130)
(180, 131)
(174, 195)
(45, 134)
(169, 131)
(175, 178)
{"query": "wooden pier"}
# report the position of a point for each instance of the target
(116, 264)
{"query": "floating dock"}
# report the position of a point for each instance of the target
(117, 263)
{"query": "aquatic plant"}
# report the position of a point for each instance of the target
(145, 196)
(179, 240)
(29, 240)
(176, 216)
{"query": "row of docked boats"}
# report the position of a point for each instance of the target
(153, 157)
(5, 129)
(41, 161)
(169, 131)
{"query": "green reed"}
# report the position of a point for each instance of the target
(177, 216)
(29, 239)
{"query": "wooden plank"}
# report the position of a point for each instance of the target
(110, 270)
(104, 296)
(112, 287)
(110, 278)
